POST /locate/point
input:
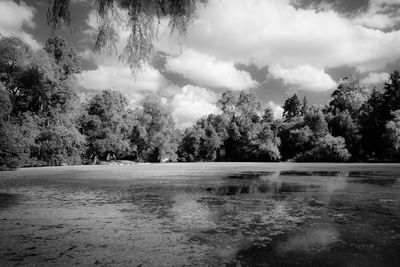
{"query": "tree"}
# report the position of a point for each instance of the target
(315, 120)
(17, 138)
(391, 95)
(344, 125)
(154, 137)
(267, 143)
(292, 107)
(393, 135)
(377, 112)
(209, 144)
(268, 115)
(15, 55)
(33, 79)
(102, 122)
(64, 56)
(189, 147)
(36, 83)
(304, 107)
(5, 104)
(349, 95)
(60, 145)
(239, 104)
(142, 20)
(372, 121)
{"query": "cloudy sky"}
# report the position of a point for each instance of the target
(273, 47)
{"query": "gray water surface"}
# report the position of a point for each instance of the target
(215, 214)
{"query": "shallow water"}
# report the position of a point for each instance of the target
(232, 214)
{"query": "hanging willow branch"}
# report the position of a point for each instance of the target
(143, 19)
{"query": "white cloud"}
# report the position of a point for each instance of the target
(374, 78)
(305, 77)
(120, 78)
(193, 103)
(274, 32)
(381, 14)
(276, 110)
(208, 71)
(14, 17)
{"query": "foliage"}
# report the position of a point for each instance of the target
(60, 145)
(199, 144)
(17, 139)
(141, 18)
(154, 136)
(64, 56)
(101, 122)
(392, 135)
(349, 95)
(315, 120)
(327, 149)
(239, 104)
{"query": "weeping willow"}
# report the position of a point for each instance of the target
(142, 21)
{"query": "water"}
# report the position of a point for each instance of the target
(232, 214)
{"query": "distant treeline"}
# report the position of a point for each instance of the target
(43, 122)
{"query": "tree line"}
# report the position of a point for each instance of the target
(43, 122)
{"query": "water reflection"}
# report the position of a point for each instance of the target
(277, 183)
(7, 200)
(374, 178)
(189, 213)
(311, 173)
(264, 217)
(318, 238)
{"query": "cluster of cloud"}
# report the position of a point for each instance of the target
(119, 77)
(305, 77)
(192, 103)
(14, 18)
(209, 71)
(271, 33)
(276, 110)
(381, 14)
(374, 78)
(296, 45)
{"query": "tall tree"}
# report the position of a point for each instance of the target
(292, 107)
(154, 137)
(304, 107)
(393, 135)
(350, 95)
(102, 123)
(64, 56)
(268, 115)
(391, 95)
(15, 55)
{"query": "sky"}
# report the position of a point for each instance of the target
(273, 47)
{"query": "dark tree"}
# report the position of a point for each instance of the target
(292, 107)
(64, 56)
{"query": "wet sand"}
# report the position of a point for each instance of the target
(232, 214)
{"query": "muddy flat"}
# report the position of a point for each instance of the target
(202, 214)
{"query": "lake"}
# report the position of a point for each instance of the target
(202, 214)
